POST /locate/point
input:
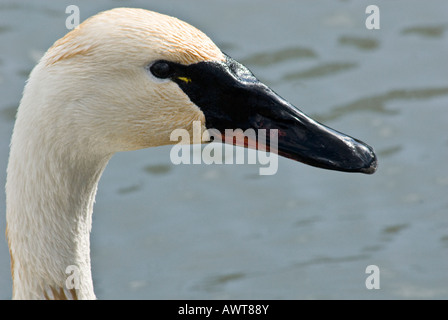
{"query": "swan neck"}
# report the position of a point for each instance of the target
(50, 195)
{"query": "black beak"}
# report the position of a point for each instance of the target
(303, 139)
(232, 98)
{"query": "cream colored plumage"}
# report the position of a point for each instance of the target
(89, 97)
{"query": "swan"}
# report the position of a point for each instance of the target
(123, 80)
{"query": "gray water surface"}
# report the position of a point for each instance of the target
(162, 231)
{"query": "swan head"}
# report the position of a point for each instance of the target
(126, 78)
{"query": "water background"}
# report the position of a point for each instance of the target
(162, 231)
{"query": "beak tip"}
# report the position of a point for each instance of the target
(372, 165)
(370, 169)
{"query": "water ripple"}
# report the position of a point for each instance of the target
(378, 103)
(361, 43)
(157, 169)
(268, 58)
(320, 70)
(328, 260)
(213, 283)
(426, 31)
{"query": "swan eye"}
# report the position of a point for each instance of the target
(161, 69)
